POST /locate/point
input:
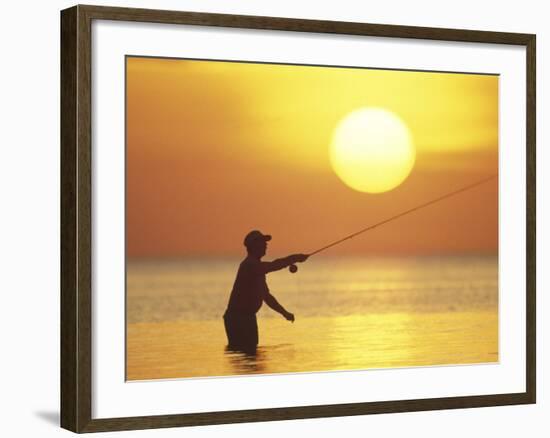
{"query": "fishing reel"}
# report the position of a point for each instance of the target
(293, 269)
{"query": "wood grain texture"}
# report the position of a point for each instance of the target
(531, 340)
(84, 218)
(301, 25)
(69, 328)
(339, 410)
(76, 222)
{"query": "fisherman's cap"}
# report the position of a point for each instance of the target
(255, 236)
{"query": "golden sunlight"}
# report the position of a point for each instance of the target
(372, 150)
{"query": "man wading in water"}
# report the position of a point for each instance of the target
(250, 291)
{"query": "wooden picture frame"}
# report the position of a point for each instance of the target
(76, 218)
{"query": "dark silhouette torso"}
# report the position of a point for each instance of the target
(249, 288)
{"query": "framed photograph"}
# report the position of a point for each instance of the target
(270, 218)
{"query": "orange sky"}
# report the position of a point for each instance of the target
(215, 149)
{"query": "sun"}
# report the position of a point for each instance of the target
(372, 150)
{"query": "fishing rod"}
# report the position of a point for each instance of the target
(293, 268)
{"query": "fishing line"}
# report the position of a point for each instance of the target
(294, 268)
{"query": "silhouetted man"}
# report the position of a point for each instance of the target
(250, 291)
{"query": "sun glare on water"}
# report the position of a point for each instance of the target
(372, 150)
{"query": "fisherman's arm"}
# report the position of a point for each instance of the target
(272, 302)
(282, 263)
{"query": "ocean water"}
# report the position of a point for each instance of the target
(351, 313)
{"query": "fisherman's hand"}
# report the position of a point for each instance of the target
(289, 316)
(301, 257)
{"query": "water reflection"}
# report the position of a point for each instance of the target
(352, 313)
(250, 361)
